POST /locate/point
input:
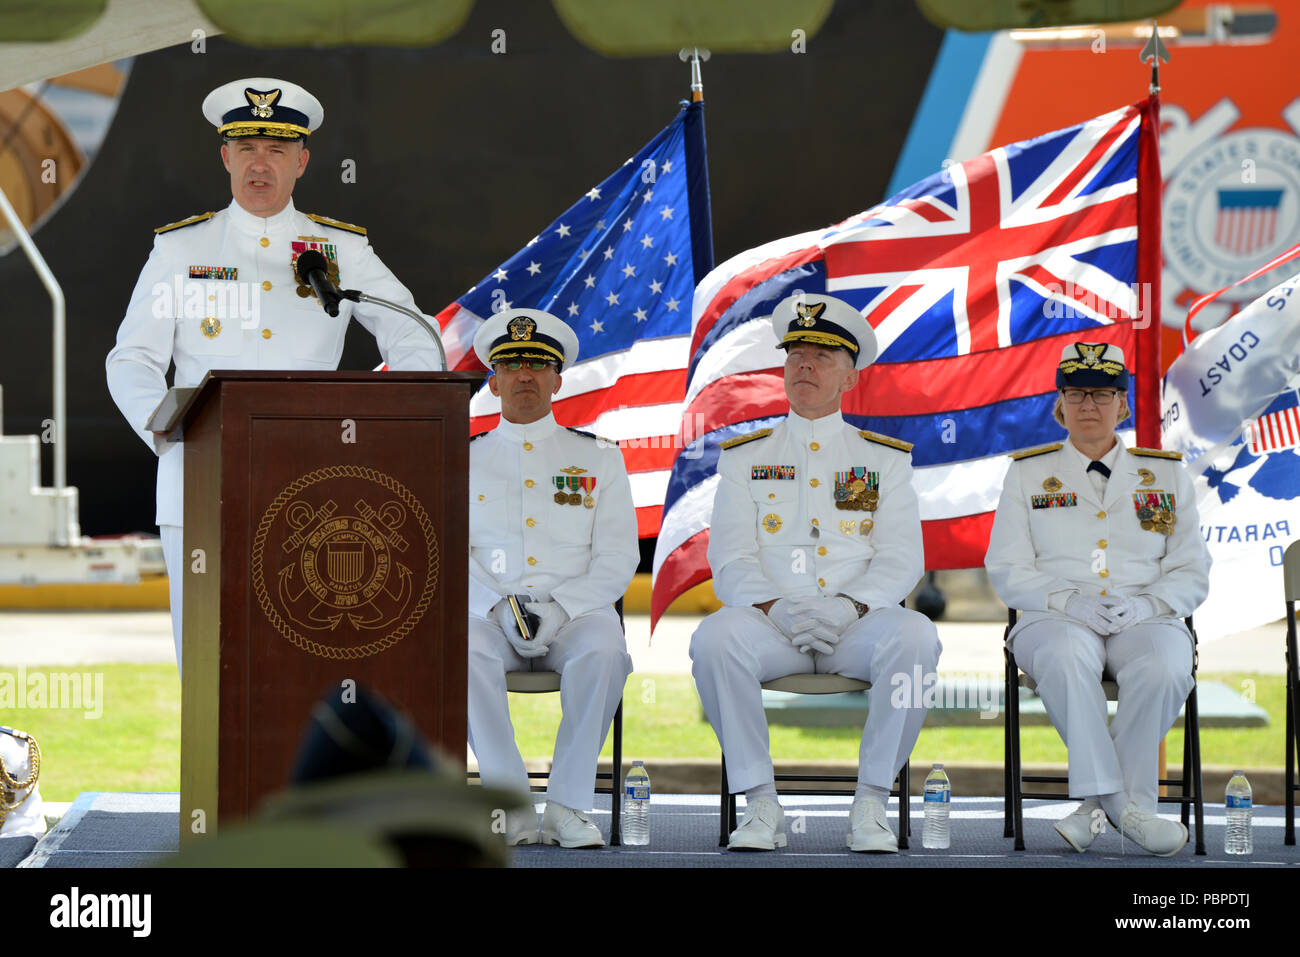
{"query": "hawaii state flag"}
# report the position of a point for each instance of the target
(974, 280)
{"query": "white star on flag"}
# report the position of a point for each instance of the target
(534, 268)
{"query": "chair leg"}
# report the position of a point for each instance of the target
(1187, 789)
(1292, 722)
(1008, 689)
(726, 810)
(1017, 785)
(1193, 713)
(616, 780)
(904, 805)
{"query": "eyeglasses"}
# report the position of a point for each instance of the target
(533, 365)
(1099, 396)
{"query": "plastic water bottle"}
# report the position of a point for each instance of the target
(938, 795)
(636, 806)
(1236, 837)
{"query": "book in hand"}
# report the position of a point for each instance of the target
(526, 621)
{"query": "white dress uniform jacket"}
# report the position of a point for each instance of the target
(523, 541)
(773, 537)
(1039, 556)
(263, 322)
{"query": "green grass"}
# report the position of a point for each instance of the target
(135, 745)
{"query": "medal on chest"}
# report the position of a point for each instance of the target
(857, 490)
(1156, 510)
(328, 250)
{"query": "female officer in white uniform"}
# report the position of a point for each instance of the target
(1099, 547)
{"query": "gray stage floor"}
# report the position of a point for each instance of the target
(139, 830)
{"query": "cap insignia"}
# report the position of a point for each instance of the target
(262, 102)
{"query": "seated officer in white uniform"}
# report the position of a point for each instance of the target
(219, 290)
(814, 541)
(551, 520)
(1100, 548)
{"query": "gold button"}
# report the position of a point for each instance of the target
(814, 446)
(266, 333)
(480, 498)
(264, 241)
(1101, 514)
(528, 446)
(1104, 573)
(1102, 543)
(267, 285)
(771, 495)
(531, 560)
(814, 483)
(822, 582)
(1103, 591)
(814, 521)
(528, 483)
(821, 549)
(530, 523)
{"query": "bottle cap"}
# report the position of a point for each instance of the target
(638, 764)
(937, 767)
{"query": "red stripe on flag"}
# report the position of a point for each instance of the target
(907, 388)
(956, 542)
(1085, 168)
(744, 281)
(684, 568)
(629, 390)
(647, 520)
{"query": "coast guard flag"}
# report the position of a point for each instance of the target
(974, 280)
(1231, 407)
(618, 266)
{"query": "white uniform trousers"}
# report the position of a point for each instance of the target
(735, 649)
(590, 653)
(173, 546)
(1152, 664)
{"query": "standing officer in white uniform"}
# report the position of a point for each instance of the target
(550, 519)
(219, 290)
(814, 541)
(1100, 548)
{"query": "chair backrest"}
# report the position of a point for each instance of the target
(1291, 571)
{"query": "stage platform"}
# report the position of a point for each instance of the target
(103, 830)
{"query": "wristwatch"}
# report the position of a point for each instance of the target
(857, 605)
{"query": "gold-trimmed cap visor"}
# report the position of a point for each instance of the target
(1091, 365)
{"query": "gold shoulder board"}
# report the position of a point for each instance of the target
(1157, 454)
(742, 439)
(1040, 450)
(337, 224)
(879, 439)
(201, 217)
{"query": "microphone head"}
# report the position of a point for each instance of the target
(308, 262)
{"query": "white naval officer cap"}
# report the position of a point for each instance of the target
(263, 106)
(824, 321)
(525, 334)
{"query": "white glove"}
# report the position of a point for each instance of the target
(1093, 611)
(505, 617)
(553, 617)
(836, 613)
(1130, 611)
(805, 631)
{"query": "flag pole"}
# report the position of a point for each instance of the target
(696, 56)
(1147, 366)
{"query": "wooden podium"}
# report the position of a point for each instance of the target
(326, 538)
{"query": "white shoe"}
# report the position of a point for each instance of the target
(1162, 838)
(569, 828)
(521, 826)
(763, 828)
(869, 828)
(1082, 826)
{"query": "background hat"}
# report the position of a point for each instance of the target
(1092, 365)
(262, 106)
(525, 334)
(824, 321)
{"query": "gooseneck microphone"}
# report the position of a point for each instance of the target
(313, 270)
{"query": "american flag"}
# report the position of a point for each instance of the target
(618, 266)
(974, 280)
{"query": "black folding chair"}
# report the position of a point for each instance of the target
(1291, 580)
(545, 682)
(817, 684)
(1190, 785)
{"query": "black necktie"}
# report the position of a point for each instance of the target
(1099, 467)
